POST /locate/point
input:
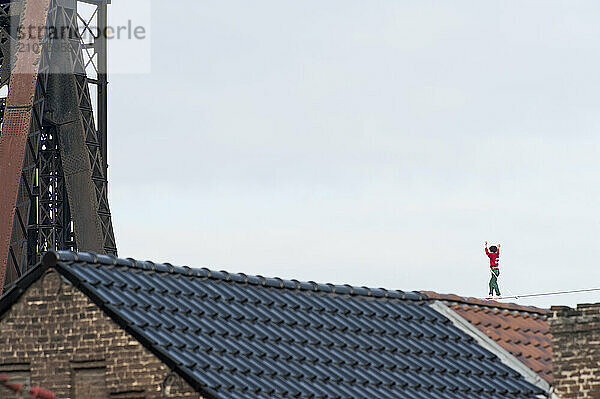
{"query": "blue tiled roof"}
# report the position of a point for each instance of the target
(237, 336)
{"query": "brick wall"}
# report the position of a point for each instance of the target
(58, 338)
(576, 351)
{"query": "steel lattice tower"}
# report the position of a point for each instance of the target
(53, 148)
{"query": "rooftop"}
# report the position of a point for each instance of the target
(231, 335)
(521, 330)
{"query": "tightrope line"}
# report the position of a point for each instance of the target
(545, 294)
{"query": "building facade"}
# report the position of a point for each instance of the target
(56, 337)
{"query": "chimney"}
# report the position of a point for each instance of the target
(576, 351)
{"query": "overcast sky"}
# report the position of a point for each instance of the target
(375, 143)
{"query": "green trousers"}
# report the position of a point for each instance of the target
(494, 282)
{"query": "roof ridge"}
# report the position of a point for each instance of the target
(484, 303)
(51, 258)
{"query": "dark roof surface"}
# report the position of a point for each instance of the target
(237, 336)
(521, 330)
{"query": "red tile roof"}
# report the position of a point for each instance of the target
(521, 330)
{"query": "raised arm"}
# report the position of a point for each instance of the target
(486, 250)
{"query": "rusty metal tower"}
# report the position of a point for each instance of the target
(53, 149)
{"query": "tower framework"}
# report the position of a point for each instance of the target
(53, 136)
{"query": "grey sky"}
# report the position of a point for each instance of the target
(373, 143)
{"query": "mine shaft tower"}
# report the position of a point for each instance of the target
(53, 135)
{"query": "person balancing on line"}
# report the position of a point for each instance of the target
(494, 254)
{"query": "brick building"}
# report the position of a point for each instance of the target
(54, 336)
(88, 326)
(576, 348)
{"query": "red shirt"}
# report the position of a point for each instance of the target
(494, 258)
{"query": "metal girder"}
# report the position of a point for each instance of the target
(62, 200)
(15, 158)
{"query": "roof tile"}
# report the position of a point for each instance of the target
(521, 330)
